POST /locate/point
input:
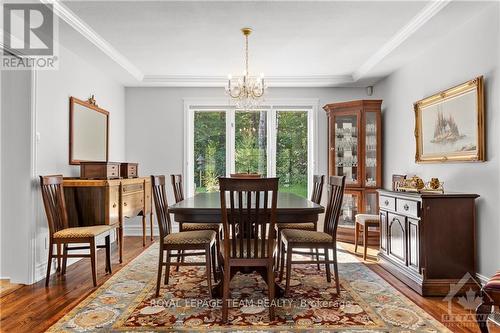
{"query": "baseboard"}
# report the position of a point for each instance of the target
(136, 230)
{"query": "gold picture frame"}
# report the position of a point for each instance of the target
(449, 126)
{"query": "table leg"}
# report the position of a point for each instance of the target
(143, 229)
(151, 224)
(120, 242)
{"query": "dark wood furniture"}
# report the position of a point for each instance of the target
(99, 170)
(60, 232)
(129, 170)
(355, 151)
(108, 202)
(363, 223)
(490, 297)
(327, 240)
(178, 189)
(248, 208)
(88, 131)
(205, 207)
(427, 240)
(245, 175)
(317, 193)
(202, 240)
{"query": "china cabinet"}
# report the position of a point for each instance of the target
(355, 151)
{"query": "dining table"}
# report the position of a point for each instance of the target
(206, 208)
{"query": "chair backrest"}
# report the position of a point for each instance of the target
(317, 193)
(249, 218)
(53, 200)
(177, 186)
(396, 181)
(161, 205)
(336, 186)
(245, 175)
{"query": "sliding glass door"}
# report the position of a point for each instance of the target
(270, 142)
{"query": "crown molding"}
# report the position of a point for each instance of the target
(79, 25)
(409, 29)
(429, 11)
(221, 81)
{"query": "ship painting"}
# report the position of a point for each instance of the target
(446, 130)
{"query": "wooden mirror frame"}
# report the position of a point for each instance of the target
(87, 104)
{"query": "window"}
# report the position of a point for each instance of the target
(275, 140)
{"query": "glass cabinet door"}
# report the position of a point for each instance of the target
(346, 128)
(350, 207)
(371, 177)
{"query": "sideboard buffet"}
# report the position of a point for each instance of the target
(109, 201)
(427, 240)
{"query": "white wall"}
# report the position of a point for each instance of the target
(52, 89)
(155, 125)
(16, 192)
(469, 51)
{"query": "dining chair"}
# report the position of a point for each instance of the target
(248, 208)
(179, 196)
(202, 242)
(61, 234)
(317, 193)
(305, 239)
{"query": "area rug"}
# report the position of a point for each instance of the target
(126, 303)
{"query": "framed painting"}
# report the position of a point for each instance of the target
(449, 126)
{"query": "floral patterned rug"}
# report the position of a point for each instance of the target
(126, 303)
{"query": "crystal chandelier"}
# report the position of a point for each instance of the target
(246, 91)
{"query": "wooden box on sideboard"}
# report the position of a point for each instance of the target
(129, 170)
(99, 170)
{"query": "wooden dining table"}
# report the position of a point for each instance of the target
(206, 208)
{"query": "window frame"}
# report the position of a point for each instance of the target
(271, 106)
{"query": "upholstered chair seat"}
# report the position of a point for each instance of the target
(370, 218)
(191, 237)
(305, 236)
(82, 232)
(300, 226)
(201, 226)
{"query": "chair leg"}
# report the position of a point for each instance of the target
(289, 251)
(65, 259)
(49, 262)
(225, 293)
(278, 252)
(167, 267)
(179, 252)
(92, 261)
(482, 312)
(160, 267)
(327, 266)
(208, 264)
(365, 241)
(282, 261)
(270, 288)
(108, 254)
(214, 264)
(58, 246)
(356, 236)
(336, 271)
(143, 230)
(151, 225)
(317, 259)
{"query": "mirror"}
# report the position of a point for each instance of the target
(88, 132)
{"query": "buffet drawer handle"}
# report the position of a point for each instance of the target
(406, 207)
(114, 205)
(386, 202)
(125, 204)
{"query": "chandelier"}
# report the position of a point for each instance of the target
(246, 91)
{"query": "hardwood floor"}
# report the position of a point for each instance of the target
(35, 308)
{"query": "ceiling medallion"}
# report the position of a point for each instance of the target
(246, 91)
